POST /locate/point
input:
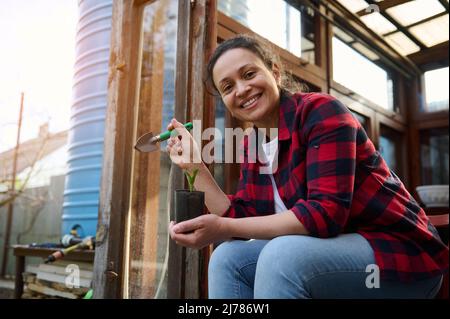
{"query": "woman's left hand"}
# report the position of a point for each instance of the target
(198, 232)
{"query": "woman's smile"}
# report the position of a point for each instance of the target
(251, 102)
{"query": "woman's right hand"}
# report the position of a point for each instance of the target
(182, 148)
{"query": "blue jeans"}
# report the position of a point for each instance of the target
(305, 267)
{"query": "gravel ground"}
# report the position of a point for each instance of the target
(6, 293)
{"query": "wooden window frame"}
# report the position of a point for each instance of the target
(426, 60)
(108, 274)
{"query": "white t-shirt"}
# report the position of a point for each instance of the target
(271, 152)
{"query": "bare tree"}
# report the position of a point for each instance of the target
(11, 193)
(37, 204)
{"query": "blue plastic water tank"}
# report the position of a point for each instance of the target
(88, 112)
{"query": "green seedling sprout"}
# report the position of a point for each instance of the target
(191, 179)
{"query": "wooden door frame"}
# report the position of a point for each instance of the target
(195, 40)
(108, 274)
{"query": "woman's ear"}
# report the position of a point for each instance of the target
(276, 73)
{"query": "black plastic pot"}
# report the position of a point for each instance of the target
(188, 204)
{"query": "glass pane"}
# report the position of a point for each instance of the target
(354, 5)
(434, 156)
(361, 48)
(287, 24)
(390, 148)
(400, 42)
(148, 243)
(432, 32)
(219, 157)
(371, 81)
(343, 36)
(414, 11)
(436, 89)
(362, 120)
(378, 23)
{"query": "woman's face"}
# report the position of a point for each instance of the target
(248, 88)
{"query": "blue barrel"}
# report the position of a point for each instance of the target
(88, 112)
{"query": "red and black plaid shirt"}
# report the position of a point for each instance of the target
(333, 179)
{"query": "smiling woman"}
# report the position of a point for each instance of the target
(327, 212)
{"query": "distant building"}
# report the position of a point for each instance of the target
(42, 157)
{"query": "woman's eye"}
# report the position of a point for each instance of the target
(226, 88)
(249, 74)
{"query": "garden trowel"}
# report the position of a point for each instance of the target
(148, 142)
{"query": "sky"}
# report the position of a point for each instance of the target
(37, 55)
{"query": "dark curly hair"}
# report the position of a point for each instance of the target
(262, 50)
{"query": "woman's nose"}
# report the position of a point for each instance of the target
(242, 89)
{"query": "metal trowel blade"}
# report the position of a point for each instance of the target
(146, 144)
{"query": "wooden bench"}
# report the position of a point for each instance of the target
(22, 251)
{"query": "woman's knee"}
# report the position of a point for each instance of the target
(280, 253)
(231, 254)
(279, 271)
(280, 259)
(222, 255)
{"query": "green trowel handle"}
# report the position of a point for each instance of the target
(164, 136)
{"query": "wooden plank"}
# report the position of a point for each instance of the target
(431, 119)
(439, 220)
(25, 250)
(401, 91)
(51, 292)
(203, 41)
(28, 277)
(81, 265)
(403, 109)
(18, 281)
(433, 123)
(431, 57)
(413, 143)
(209, 119)
(52, 277)
(62, 271)
(197, 67)
(388, 121)
(176, 270)
(326, 46)
(81, 291)
(320, 30)
(34, 269)
(143, 2)
(118, 148)
(224, 33)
